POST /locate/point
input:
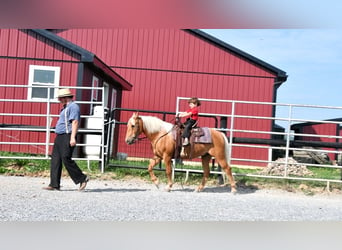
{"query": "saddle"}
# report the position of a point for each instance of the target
(198, 135)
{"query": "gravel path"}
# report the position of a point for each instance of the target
(23, 199)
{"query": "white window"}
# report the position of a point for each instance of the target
(43, 78)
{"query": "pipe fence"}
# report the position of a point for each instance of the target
(255, 141)
(26, 125)
(258, 147)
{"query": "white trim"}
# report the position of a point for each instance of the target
(31, 82)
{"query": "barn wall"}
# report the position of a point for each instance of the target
(324, 129)
(165, 63)
(19, 50)
(27, 44)
(163, 49)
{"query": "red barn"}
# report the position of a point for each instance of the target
(163, 64)
(319, 132)
(38, 60)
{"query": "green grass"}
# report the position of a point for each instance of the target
(18, 166)
(326, 173)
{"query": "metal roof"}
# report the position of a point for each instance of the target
(86, 56)
(281, 75)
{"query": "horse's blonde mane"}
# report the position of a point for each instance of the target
(153, 124)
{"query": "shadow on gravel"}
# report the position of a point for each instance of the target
(241, 189)
(102, 190)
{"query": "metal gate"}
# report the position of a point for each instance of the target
(322, 147)
(30, 131)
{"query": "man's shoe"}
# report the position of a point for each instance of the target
(83, 184)
(51, 188)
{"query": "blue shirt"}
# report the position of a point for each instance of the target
(69, 113)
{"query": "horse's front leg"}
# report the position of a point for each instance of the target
(156, 160)
(168, 171)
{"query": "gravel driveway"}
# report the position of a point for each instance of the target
(23, 199)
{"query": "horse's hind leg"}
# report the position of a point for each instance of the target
(153, 162)
(206, 171)
(225, 166)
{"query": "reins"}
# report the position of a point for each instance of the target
(166, 132)
(176, 124)
(164, 135)
(145, 137)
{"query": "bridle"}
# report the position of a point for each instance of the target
(136, 137)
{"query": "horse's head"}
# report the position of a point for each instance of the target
(134, 128)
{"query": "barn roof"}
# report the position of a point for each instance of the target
(86, 56)
(281, 75)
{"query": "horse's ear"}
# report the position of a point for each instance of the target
(136, 114)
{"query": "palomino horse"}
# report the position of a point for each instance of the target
(163, 146)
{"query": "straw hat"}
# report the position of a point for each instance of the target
(64, 93)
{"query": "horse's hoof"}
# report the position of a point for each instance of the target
(156, 183)
(167, 189)
(233, 191)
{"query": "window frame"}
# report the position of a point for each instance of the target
(31, 83)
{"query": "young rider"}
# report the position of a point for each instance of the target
(192, 114)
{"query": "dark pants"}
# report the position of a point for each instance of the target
(187, 128)
(62, 153)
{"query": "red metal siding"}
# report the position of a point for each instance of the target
(21, 49)
(168, 49)
(165, 63)
(220, 88)
(321, 129)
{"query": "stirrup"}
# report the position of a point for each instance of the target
(182, 153)
(185, 142)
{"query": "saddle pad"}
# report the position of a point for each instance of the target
(205, 138)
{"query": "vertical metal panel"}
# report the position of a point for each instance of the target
(3, 73)
(4, 41)
(13, 43)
